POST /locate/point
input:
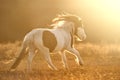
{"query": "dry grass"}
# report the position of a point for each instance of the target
(102, 62)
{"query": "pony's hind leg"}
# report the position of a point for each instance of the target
(78, 57)
(30, 58)
(46, 54)
(64, 60)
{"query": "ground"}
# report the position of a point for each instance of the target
(101, 62)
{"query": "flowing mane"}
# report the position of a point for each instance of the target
(68, 17)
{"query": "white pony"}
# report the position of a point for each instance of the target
(57, 39)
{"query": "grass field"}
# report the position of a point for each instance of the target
(101, 62)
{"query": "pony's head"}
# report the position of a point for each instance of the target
(73, 24)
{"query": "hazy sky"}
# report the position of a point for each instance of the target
(101, 17)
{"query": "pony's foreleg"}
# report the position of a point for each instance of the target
(64, 60)
(30, 58)
(78, 57)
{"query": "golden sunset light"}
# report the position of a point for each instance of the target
(59, 39)
(102, 16)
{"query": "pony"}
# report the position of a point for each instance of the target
(58, 39)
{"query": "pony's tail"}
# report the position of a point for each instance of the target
(19, 58)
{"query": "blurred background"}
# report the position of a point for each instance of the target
(101, 18)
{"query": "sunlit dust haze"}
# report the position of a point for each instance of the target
(101, 18)
(100, 51)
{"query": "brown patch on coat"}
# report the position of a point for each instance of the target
(49, 40)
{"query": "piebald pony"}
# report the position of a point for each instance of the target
(57, 39)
